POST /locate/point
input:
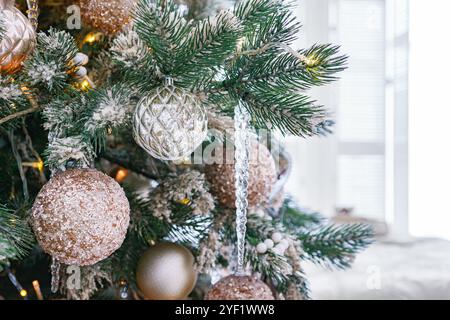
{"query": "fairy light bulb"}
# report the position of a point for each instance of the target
(121, 175)
(91, 37)
(85, 85)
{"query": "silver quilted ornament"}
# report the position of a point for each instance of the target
(18, 39)
(170, 123)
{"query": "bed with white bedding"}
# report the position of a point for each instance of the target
(417, 269)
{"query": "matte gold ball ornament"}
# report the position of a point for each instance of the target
(80, 216)
(18, 40)
(262, 177)
(108, 16)
(166, 271)
(236, 287)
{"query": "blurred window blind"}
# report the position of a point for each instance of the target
(359, 27)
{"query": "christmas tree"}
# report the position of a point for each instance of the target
(134, 164)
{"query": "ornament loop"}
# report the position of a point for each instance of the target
(168, 81)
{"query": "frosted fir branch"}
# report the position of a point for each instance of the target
(93, 279)
(178, 210)
(51, 61)
(111, 109)
(59, 115)
(207, 31)
(75, 148)
(47, 73)
(58, 44)
(103, 68)
(9, 91)
(129, 50)
(188, 188)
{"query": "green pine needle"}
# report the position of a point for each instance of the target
(336, 245)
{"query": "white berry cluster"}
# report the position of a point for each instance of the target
(277, 244)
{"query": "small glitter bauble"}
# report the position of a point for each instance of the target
(108, 16)
(80, 216)
(166, 271)
(19, 37)
(170, 123)
(240, 288)
(262, 176)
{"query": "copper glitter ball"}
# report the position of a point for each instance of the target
(262, 177)
(240, 288)
(108, 16)
(80, 216)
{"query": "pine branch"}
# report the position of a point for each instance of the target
(295, 218)
(289, 112)
(135, 61)
(161, 26)
(178, 209)
(252, 13)
(336, 246)
(51, 62)
(18, 114)
(301, 285)
(206, 47)
(16, 238)
(286, 71)
(108, 111)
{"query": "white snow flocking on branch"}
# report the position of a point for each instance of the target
(61, 150)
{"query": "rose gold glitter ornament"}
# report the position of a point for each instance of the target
(240, 288)
(262, 176)
(80, 216)
(18, 39)
(166, 272)
(108, 16)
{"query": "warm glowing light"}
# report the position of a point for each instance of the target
(23, 293)
(91, 37)
(185, 201)
(121, 175)
(37, 289)
(85, 85)
(39, 165)
(311, 62)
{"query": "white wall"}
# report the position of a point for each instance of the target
(429, 134)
